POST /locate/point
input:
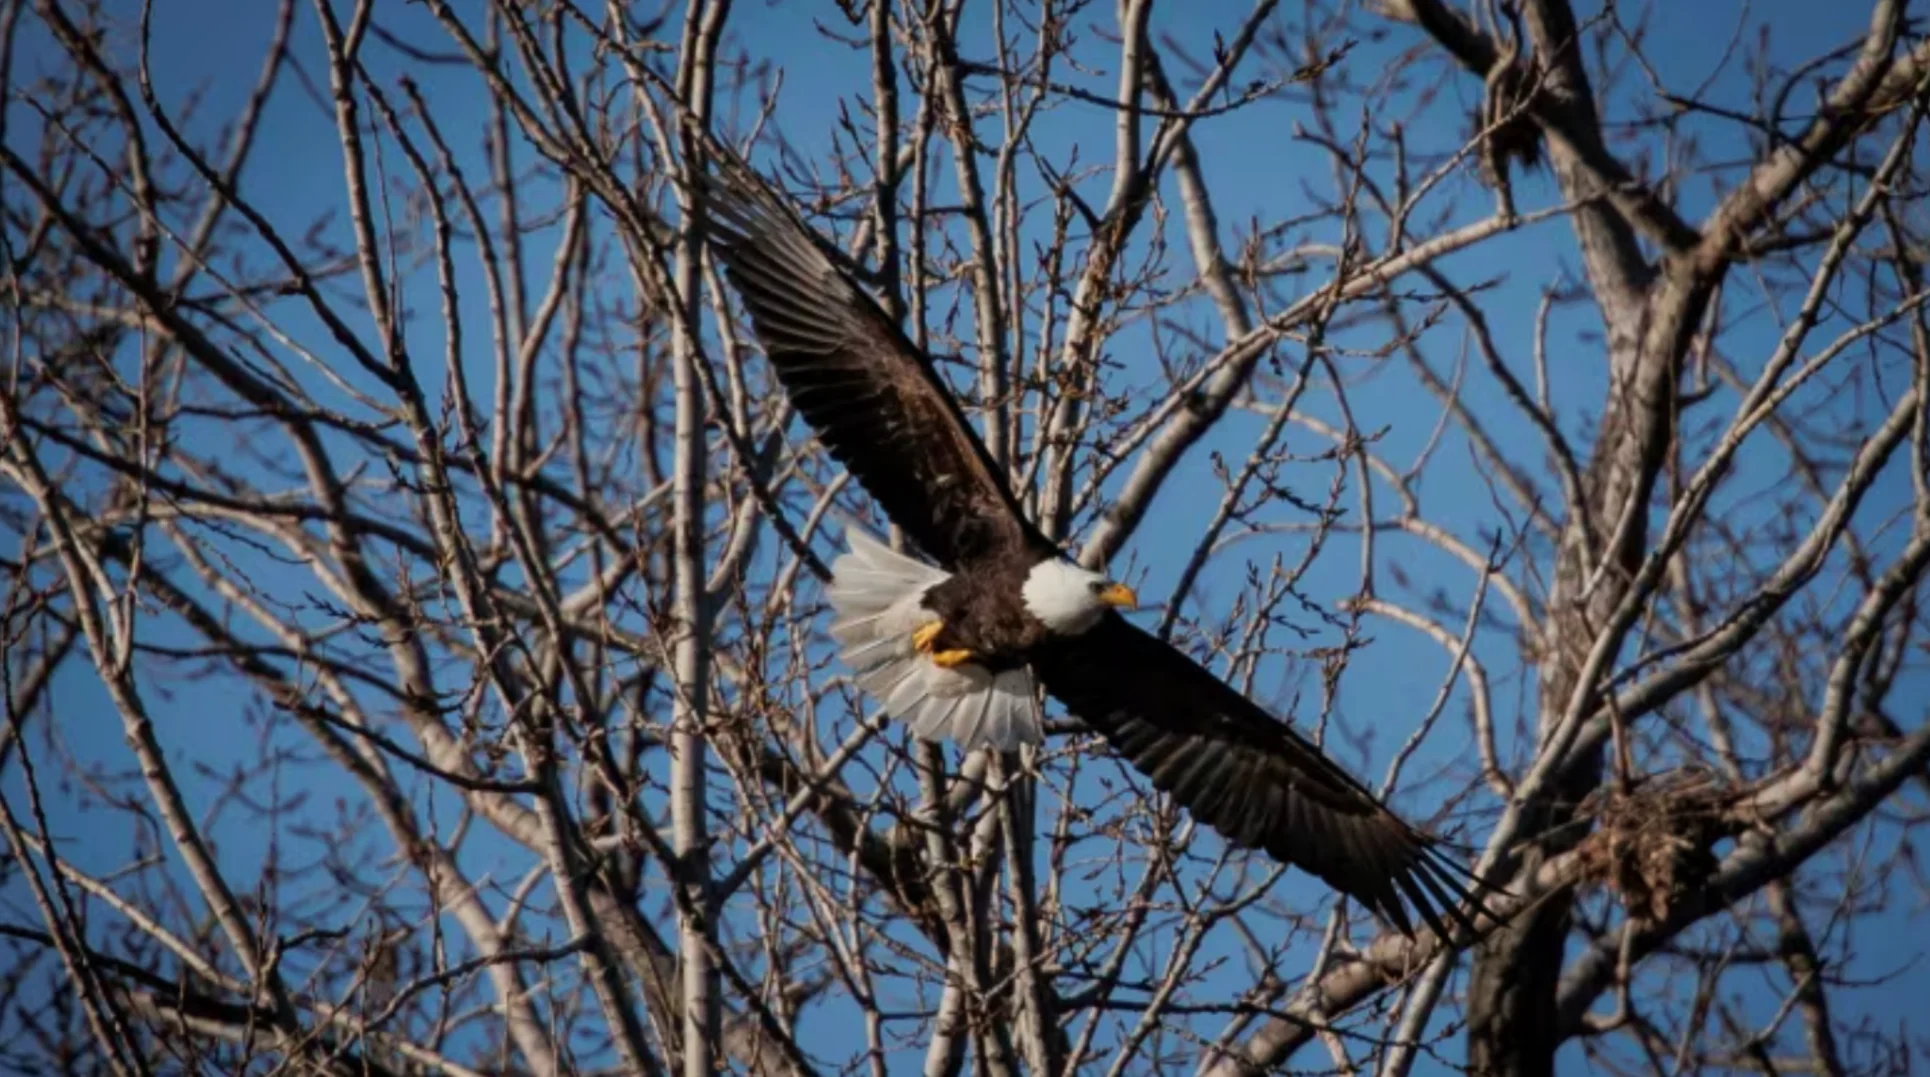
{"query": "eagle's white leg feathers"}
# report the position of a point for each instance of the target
(877, 595)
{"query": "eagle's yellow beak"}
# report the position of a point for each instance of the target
(1120, 595)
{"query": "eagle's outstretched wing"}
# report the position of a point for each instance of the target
(1247, 774)
(872, 396)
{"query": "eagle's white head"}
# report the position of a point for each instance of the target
(1069, 599)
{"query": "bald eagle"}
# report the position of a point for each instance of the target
(955, 650)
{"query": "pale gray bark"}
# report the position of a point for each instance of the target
(690, 603)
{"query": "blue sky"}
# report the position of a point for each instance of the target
(1252, 164)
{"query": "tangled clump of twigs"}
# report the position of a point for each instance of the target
(1652, 845)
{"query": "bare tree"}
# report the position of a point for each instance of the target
(414, 654)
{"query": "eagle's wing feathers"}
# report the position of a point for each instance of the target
(872, 396)
(1247, 774)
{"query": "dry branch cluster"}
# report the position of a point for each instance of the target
(414, 659)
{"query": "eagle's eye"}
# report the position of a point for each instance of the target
(1096, 586)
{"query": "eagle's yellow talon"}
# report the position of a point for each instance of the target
(926, 638)
(926, 635)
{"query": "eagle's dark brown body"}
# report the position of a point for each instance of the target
(984, 612)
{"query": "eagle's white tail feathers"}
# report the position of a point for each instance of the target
(877, 595)
(1003, 715)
